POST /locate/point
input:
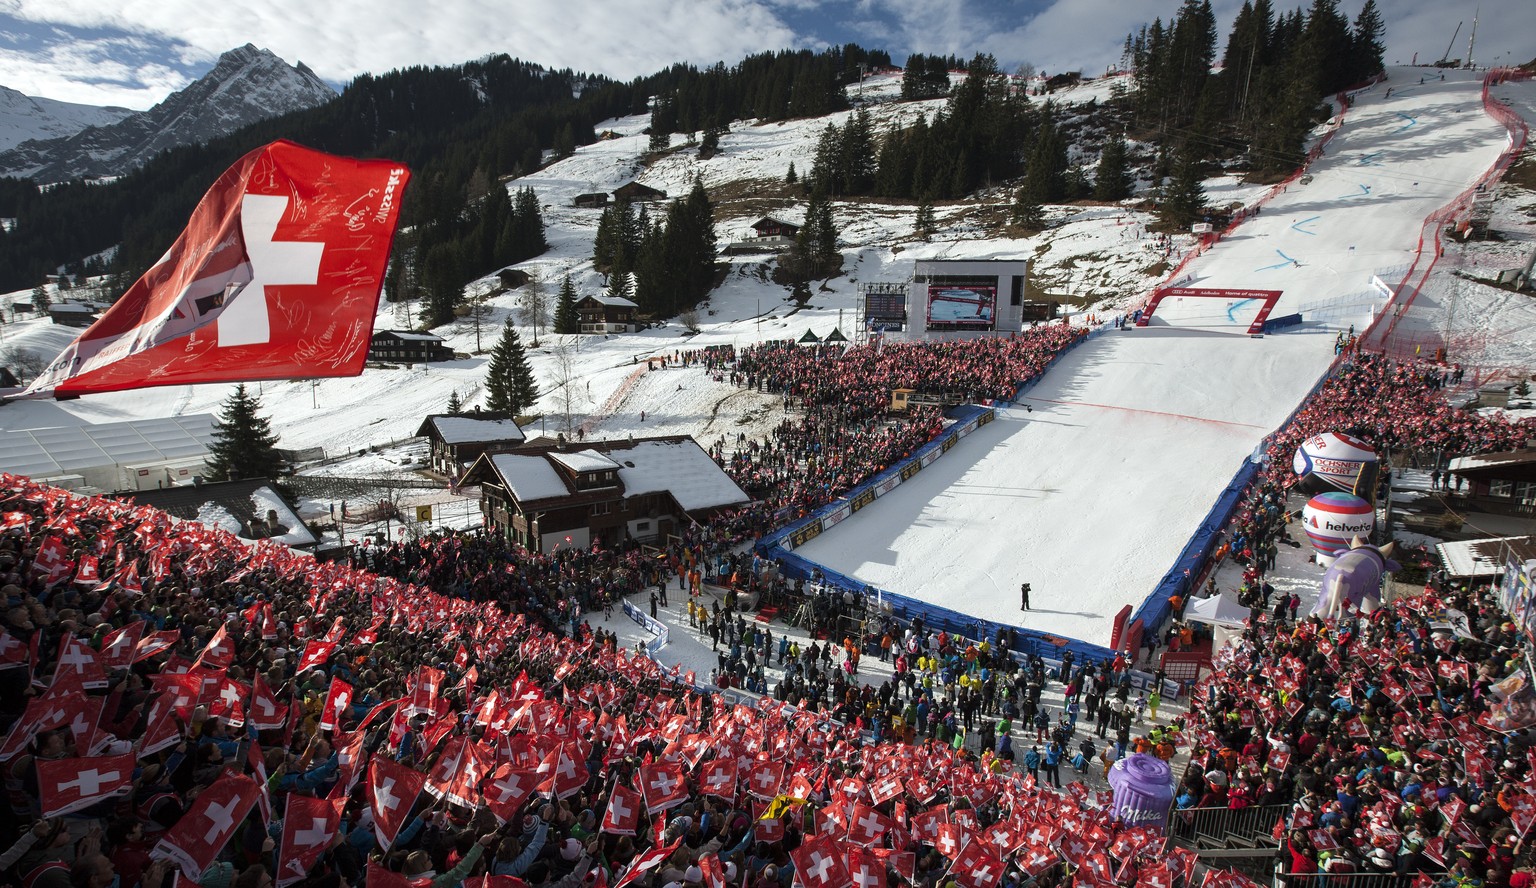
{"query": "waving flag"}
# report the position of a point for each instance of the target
(277, 275)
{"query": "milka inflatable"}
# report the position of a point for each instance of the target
(1354, 579)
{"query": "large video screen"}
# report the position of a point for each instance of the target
(961, 305)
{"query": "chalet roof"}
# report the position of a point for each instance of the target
(469, 428)
(609, 299)
(638, 188)
(584, 461)
(1484, 558)
(530, 477)
(770, 220)
(71, 307)
(1510, 465)
(680, 468)
(409, 336)
(675, 465)
(229, 505)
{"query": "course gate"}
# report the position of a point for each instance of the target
(1270, 297)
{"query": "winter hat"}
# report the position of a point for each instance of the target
(570, 850)
(693, 874)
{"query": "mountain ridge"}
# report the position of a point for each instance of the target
(246, 85)
(26, 118)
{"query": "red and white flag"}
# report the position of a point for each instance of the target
(201, 833)
(309, 825)
(316, 653)
(865, 870)
(68, 785)
(392, 790)
(713, 872)
(978, 867)
(507, 789)
(277, 275)
(220, 651)
(561, 773)
(664, 786)
(819, 864)
(645, 862)
(79, 662)
(764, 778)
(266, 713)
(719, 779)
(338, 705)
(623, 815)
(118, 646)
(13, 652)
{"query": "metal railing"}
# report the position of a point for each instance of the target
(1284, 879)
(1220, 827)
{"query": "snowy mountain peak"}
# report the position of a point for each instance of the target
(247, 84)
(24, 117)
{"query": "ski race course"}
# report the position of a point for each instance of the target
(1092, 493)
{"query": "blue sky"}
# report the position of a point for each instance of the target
(134, 52)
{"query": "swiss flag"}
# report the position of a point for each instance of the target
(338, 705)
(266, 713)
(156, 643)
(12, 652)
(561, 774)
(663, 785)
(392, 790)
(764, 778)
(719, 779)
(309, 825)
(71, 784)
(978, 867)
(645, 862)
(52, 559)
(78, 662)
(623, 815)
(819, 864)
(201, 833)
(714, 874)
(885, 788)
(507, 789)
(220, 651)
(868, 826)
(277, 275)
(865, 870)
(118, 646)
(316, 653)
(87, 572)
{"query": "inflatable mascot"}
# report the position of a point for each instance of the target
(1354, 579)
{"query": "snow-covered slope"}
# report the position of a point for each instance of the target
(247, 85)
(24, 117)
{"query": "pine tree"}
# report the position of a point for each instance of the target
(455, 404)
(40, 300)
(1029, 203)
(1365, 43)
(244, 445)
(1184, 199)
(566, 320)
(509, 387)
(923, 224)
(791, 177)
(1112, 179)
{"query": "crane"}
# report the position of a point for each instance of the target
(1446, 61)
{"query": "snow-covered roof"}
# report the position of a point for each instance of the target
(406, 335)
(71, 306)
(584, 461)
(1484, 558)
(473, 429)
(681, 468)
(529, 477)
(608, 299)
(48, 452)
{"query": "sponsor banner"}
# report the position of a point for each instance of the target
(966, 429)
(912, 468)
(948, 443)
(805, 534)
(985, 418)
(830, 520)
(887, 485)
(865, 497)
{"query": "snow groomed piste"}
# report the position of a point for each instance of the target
(1138, 442)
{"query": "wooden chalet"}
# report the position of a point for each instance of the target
(458, 439)
(604, 313)
(72, 314)
(405, 346)
(545, 496)
(768, 235)
(512, 278)
(595, 201)
(1500, 483)
(634, 192)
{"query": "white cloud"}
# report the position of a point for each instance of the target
(343, 38)
(90, 72)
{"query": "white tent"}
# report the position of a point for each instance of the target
(1218, 610)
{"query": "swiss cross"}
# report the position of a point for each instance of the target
(384, 796)
(51, 717)
(864, 878)
(266, 705)
(222, 818)
(1036, 836)
(120, 642)
(763, 779)
(78, 725)
(870, 824)
(621, 811)
(508, 786)
(664, 782)
(75, 657)
(316, 834)
(90, 782)
(947, 844)
(230, 694)
(820, 863)
(244, 321)
(982, 873)
(718, 778)
(888, 786)
(567, 768)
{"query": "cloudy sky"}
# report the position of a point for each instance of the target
(134, 52)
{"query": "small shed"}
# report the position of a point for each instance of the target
(512, 278)
(594, 201)
(634, 192)
(72, 314)
(606, 313)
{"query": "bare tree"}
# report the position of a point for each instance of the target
(477, 310)
(566, 379)
(533, 307)
(689, 318)
(24, 363)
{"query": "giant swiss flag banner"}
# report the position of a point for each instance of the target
(277, 275)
